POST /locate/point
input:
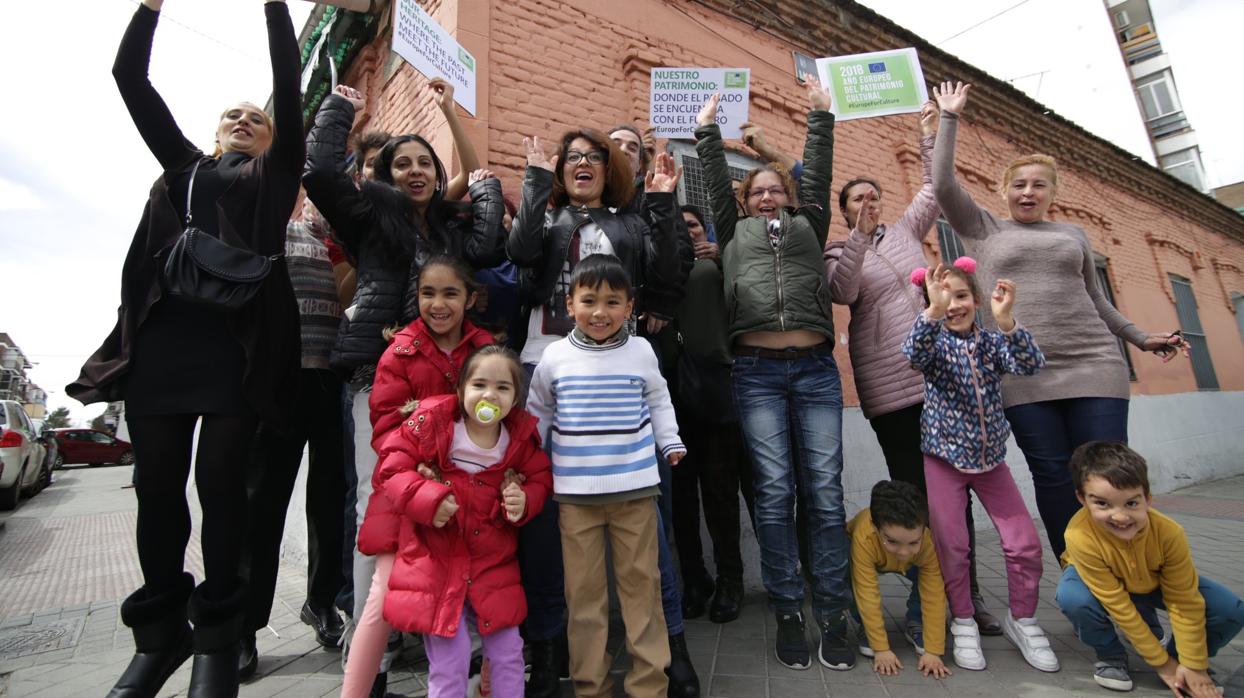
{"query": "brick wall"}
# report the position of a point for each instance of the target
(546, 66)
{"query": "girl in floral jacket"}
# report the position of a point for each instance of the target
(964, 433)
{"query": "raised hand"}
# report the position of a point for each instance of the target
(929, 117)
(951, 96)
(708, 112)
(353, 96)
(480, 175)
(754, 137)
(536, 155)
(664, 175)
(445, 511)
(939, 292)
(818, 96)
(515, 501)
(442, 93)
(1002, 301)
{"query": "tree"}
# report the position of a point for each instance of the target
(99, 424)
(59, 418)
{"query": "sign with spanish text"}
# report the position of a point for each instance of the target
(874, 84)
(678, 93)
(426, 45)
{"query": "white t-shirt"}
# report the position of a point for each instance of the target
(469, 456)
(548, 324)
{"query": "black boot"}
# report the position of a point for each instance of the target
(546, 668)
(218, 631)
(683, 681)
(727, 600)
(695, 594)
(161, 639)
(248, 658)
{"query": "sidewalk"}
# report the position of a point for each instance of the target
(67, 558)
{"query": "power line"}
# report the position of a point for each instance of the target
(983, 21)
(209, 37)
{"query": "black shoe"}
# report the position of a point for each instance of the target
(683, 683)
(836, 652)
(986, 622)
(215, 675)
(148, 671)
(248, 658)
(727, 601)
(545, 669)
(695, 594)
(792, 642)
(327, 624)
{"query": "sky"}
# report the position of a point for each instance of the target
(74, 173)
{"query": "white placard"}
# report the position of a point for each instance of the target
(433, 51)
(677, 94)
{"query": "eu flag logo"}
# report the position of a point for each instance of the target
(876, 67)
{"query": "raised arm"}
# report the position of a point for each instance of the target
(147, 109)
(960, 210)
(818, 161)
(670, 258)
(288, 145)
(328, 185)
(484, 246)
(923, 209)
(844, 259)
(525, 243)
(468, 161)
(716, 173)
(754, 137)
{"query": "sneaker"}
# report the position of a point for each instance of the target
(835, 651)
(1025, 634)
(792, 642)
(861, 639)
(967, 644)
(914, 632)
(1112, 674)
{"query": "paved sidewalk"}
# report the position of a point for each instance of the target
(67, 558)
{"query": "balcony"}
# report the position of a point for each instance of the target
(1168, 125)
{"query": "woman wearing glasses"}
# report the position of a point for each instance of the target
(589, 182)
(782, 330)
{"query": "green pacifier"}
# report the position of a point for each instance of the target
(485, 411)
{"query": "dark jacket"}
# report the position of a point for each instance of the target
(367, 221)
(662, 296)
(252, 214)
(540, 239)
(783, 289)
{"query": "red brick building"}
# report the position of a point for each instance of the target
(1172, 257)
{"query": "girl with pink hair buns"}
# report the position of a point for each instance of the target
(963, 437)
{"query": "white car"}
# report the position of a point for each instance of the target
(21, 455)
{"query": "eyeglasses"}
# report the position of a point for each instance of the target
(593, 157)
(773, 192)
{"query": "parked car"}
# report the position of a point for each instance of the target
(21, 456)
(46, 438)
(91, 446)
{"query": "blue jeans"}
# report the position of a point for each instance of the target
(1224, 615)
(1047, 432)
(786, 405)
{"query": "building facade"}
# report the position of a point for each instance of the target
(14, 383)
(1169, 256)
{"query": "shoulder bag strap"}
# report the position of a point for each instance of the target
(190, 191)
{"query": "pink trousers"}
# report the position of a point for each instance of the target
(371, 634)
(996, 490)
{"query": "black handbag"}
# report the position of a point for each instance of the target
(203, 269)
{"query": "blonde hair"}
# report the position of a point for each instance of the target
(267, 119)
(1034, 159)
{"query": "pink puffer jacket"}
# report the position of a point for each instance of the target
(873, 276)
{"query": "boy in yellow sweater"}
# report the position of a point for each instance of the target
(892, 535)
(1123, 561)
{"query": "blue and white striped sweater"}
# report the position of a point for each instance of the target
(603, 410)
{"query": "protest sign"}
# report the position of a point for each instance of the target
(432, 51)
(874, 84)
(678, 93)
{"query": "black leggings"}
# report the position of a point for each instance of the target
(162, 449)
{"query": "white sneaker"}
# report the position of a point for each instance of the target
(967, 644)
(1025, 634)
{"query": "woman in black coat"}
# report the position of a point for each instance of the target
(174, 361)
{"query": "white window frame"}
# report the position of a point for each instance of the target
(1149, 86)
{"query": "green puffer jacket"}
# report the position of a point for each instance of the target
(783, 289)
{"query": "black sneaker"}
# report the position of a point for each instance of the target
(836, 652)
(792, 642)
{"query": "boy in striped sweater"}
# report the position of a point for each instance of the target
(602, 406)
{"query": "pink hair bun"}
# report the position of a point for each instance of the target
(917, 276)
(967, 265)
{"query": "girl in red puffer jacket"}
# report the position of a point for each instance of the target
(458, 528)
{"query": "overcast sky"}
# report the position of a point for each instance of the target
(74, 173)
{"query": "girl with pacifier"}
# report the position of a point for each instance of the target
(963, 437)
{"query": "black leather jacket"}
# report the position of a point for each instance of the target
(539, 241)
(386, 294)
